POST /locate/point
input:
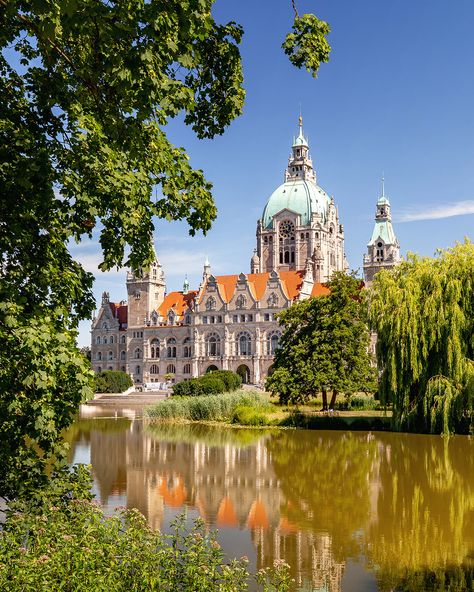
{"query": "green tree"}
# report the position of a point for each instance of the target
(324, 346)
(423, 313)
(86, 90)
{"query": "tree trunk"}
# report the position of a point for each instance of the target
(333, 399)
(325, 400)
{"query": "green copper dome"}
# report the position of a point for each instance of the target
(300, 196)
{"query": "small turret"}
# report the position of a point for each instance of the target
(206, 270)
(186, 285)
(255, 262)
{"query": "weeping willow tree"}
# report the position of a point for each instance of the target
(423, 314)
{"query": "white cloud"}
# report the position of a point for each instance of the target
(459, 208)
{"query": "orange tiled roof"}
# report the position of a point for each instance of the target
(178, 301)
(320, 290)
(292, 281)
(120, 312)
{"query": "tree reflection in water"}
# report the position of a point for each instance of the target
(403, 504)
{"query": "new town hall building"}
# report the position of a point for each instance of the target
(229, 321)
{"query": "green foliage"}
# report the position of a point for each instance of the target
(324, 346)
(205, 408)
(307, 45)
(112, 381)
(43, 378)
(249, 416)
(79, 549)
(361, 402)
(220, 381)
(423, 313)
(231, 379)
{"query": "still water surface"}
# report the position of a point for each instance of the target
(349, 511)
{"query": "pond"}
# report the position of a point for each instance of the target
(349, 511)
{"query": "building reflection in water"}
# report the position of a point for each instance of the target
(314, 499)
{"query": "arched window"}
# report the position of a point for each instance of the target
(171, 369)
(187, 348)
(211, 303)
(380, 253)
(110, 355)
(137, 369)
(99, 369)
(155, 369)
(244, 344)
(111, 339)
(123, 355)
(110, 368)
(104, 326)
(99, 355)
(123, 339)
(105, 340)
(154, 318)
(155, 348)
(98, 340)
(213, 345)
(171, 317)
(137, 353)
(122, 368)
(171, 348)
(187, 319)
(273, 340)
(241, 301)
(187, 369)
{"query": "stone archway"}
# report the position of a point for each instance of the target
(244, 372)
(211, 368)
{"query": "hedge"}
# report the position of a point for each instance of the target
(112, 381)
(220, 381)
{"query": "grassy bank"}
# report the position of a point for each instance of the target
(251, 408)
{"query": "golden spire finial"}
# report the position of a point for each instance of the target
(300, 121)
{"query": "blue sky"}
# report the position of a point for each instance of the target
(397, 97)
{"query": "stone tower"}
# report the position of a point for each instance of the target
(146, 291)
(298, 219)
(383, 249)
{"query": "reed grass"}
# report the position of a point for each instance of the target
(206, 407)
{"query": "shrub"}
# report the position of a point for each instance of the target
(249, 416)
(212, 385)
(231, 379)
(77, 548)
(112, 381)
(220, 381)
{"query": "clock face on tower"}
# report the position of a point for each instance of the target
(287, 229)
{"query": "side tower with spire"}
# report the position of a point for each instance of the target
(383, 249)
(300, 222)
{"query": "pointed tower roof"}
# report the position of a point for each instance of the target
(300, 140)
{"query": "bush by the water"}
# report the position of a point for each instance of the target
(206, 407)
(360, 402)
(220, 381)
(250, 416)
(112, 381)
(78, 549)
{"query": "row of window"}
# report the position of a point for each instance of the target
(212, 345)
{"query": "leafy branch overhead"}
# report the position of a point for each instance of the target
(307, 46)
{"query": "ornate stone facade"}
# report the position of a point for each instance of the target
(229, 321)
